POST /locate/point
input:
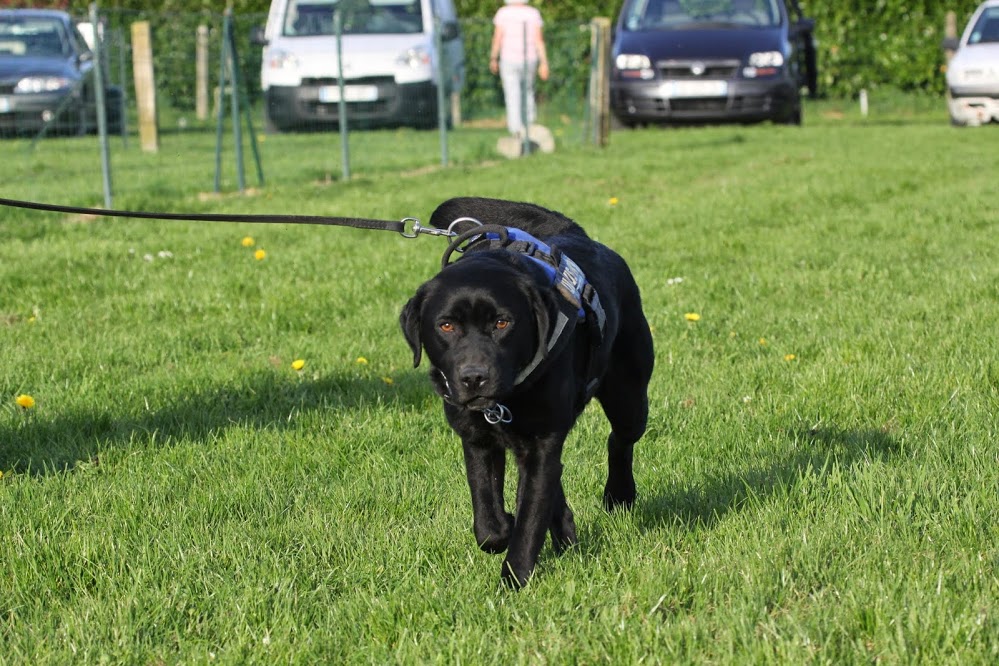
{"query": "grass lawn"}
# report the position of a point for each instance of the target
(819, 482)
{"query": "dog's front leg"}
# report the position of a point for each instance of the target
(485, 466)
(538, 492)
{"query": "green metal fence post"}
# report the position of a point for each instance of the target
(342, 105)
(441, 112)
(237, 126)
(243, 98)
(221, 115)
(102, 118)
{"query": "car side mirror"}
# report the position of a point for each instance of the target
(450, 30)
(950, 43)
(804, 26)
(257, 37)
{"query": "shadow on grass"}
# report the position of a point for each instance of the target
(816, 451)
(39, 444)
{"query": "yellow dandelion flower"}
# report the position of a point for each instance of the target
(613, 201)
(259, 255)
(763, 341)
(361, 360)
(388, 380)
(297, 364)
(248, 241)
(25, 401)
(789, 357)
(692, 316)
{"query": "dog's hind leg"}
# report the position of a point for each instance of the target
(563, 527)
(623, 394)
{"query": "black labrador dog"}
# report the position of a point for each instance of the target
(533, 321)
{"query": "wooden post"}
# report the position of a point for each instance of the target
(201, 74)
(145, 86)
(950, 32)
(600, 32)
(455, 108)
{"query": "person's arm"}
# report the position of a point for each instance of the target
(494, 49)
(539, 42)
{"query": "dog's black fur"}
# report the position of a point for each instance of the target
(458, 318)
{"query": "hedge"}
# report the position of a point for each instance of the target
(862, 43)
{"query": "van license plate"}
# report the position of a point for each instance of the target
(329, 94)
(677, 89)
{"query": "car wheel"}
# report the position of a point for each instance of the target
(794, 118)
(115, 108)
(269, 126)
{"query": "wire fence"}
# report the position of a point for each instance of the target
(188, 119)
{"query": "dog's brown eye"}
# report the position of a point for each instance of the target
(502, 323)
(446, 326)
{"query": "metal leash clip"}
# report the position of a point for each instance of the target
(415, 229)
(497, 414)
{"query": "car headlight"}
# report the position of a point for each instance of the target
(42, 84)
(766, 59)
(415, 58)
(633, 66)
(278, 59)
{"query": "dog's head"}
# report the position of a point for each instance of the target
(481, 321)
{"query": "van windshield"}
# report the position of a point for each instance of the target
(986, 30)
(306, 18)
(690, 14)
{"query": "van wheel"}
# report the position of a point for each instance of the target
(429, 121)
(269, 126)
(794, 118)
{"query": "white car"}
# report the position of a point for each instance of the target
(973, 72)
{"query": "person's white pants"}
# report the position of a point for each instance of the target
(514, 75)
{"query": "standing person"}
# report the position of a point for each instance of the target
(518, 34)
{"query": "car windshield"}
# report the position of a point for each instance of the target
(32, 37)
(986, 30)
(691, 14)
(358, 17)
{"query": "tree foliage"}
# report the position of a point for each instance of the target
(861, 43)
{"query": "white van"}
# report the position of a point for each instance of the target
(389, 61)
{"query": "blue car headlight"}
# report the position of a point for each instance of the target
(42, 84)
(633, 66)
(763, 63)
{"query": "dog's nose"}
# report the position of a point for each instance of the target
(473, 377)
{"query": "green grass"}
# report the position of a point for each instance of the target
(819, 482)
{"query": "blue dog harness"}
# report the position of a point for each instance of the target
(578, 301)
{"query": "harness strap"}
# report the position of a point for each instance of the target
(578, 302)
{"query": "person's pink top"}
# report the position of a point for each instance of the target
(518, 23)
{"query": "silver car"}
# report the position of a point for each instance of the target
(973, 72)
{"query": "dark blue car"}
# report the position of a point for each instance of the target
(707, 61)
(46, 76)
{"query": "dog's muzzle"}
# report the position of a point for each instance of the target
(494, 414)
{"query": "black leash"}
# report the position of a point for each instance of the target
(409, 227)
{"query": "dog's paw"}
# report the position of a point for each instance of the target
(563, 534)
(513, 576)
(495, 538)
(619, 496)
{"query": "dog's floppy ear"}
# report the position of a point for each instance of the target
(409, 321)
(543, 304)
